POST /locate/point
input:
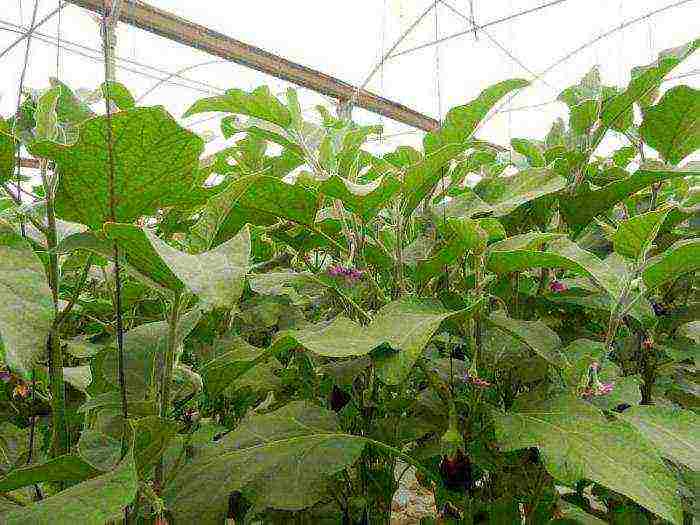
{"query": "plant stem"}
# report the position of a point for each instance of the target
(166, 374)
(60, 440)
(399, 288)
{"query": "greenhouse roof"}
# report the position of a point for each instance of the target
(423, 54)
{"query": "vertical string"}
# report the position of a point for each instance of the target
(58, 39)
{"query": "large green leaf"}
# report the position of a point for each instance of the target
(216, 276)
(240, 365)
(8, 153)
(152, 437)
(635, 236)
(645, 80)
(461, 121)
(676, 432)
(98, 449)
(259, 103)
(142, 345)
(420, 178)
(281, 459)
(579, 356)
(672, 127)
(522, 252)
(155, 160)
(577, 442)
(135, 250)
(92, 502)
(265, 201)
(345, 338)
(683, 257)
(26, 311)
(62, 468)
(525, 186)
(581, 208)
(215, 212)
(140, 255)
(535, 334)
(364, 199)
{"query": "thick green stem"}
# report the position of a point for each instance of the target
(166, 372)
(399, 289)
(60, 440)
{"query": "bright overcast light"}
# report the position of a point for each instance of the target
(347, 39)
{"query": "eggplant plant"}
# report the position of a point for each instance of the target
(275, 333)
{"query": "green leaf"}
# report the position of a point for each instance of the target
(635, 236)
(364, 199)
(465, 205)
(8, 153)
(215, 212)
(46, 117)
(70, 110)
(142, 345)
(672, 127)
(525, 186)
(156, 163)
(298, 442)
(521, 253)
(407, 325)
(683, 257)
(242, 364)
(577, 442)
(118, 94)
(140, 255)
(259, 103)
(152, 437)
(646, 80)
(579, 356)
(345, 338)
(535, 334)
(99, 450)
(265, 201)
(216, 276)
(580, 209)
(420, 178)
(27, 312)
(532, 151)
(464, 235)
(675, 432)
(461, 121)
(62, 468)
(92, 502)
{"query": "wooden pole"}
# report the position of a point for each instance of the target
(172, 27)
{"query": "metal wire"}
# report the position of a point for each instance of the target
(581, 48)
(49, 39)
(483, 26)
(28, 33)
(491, 39)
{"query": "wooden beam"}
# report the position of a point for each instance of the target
(172, 27)
(29, 163)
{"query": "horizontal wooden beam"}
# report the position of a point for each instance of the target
(172, 27)
(29, 163)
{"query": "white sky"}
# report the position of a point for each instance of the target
(346, 39)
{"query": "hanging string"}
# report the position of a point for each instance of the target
(58, 40)
(382, 119)
(472, 15)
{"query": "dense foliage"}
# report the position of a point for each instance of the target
(302, 318)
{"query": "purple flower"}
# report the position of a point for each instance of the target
(5, 376)
(335, 271)
(475, 380)
(557, 287)
(351, 275)
(604, 389)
